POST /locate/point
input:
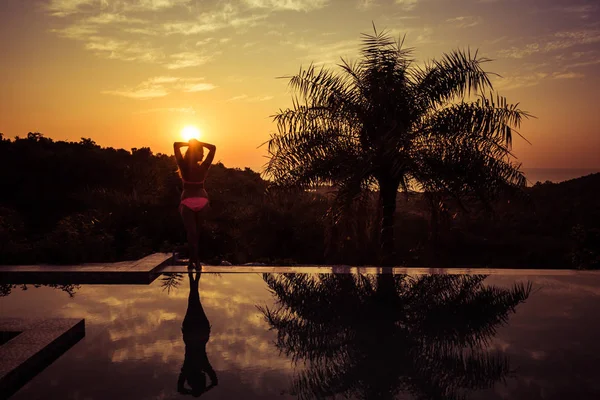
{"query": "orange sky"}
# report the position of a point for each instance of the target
(133, 73)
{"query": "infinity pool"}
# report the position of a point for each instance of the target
(279, 336)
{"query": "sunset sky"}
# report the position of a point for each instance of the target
(133, 73)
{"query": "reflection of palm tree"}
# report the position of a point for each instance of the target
(171, 281)
(374, 337)
(196, 332)
(69, 288)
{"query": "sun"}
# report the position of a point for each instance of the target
(190, 132)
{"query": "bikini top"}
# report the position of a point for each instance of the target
(200, 183)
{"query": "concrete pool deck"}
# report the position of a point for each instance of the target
(32, 345)
(140, 271)
(144, 271)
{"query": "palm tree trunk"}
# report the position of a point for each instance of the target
(388, 189)
(434, 233)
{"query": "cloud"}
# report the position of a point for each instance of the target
(182, 110)
(520, 52)
(467, 21)
(246, 98)
(121, 30)
(142, 93)
(142, 31)
(584, 8)
(407, 5)
(519, 81)
(204, 41)
(124, 50)
(161, 86)
(93, 32)
(112, 18)
(584, 63)
(187, 59)
(150, 5)
(575, 55)
(366, 4)
(323, 52)
(238, 98)
(532, 79)
(191, 85)
(578, 59)
(62, 8)
(198, 87)
(164, 79)
(261, 98)
(567, 75)
(225, 17)
(425, 36)
(76, 32)
(247, 21)
(288, 5)
(564, 40)
(558, 41)
(191, 27)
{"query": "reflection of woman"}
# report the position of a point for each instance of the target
(194, 199)
(196, 332)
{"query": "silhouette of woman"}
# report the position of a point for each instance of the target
(194, 198)
(196, 332)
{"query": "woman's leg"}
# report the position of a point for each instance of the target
(189, 221)
(199, 220)
(195, 317)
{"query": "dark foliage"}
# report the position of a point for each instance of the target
(67, 202)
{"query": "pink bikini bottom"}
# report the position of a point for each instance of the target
(194, 203)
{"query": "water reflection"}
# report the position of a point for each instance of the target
(375, 337)
(7, 288)
(171, 282)
(196, 333)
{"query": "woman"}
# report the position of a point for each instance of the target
(194, 199)
(196, 333)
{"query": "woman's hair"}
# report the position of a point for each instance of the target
(198, 384)
(194, 154)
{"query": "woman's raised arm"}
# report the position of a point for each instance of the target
(177, 149)
(211, 153)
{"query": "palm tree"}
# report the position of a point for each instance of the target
(384, 121)
(370, 337)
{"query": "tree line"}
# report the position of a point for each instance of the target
(73, 202)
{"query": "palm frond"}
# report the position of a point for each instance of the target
(489, 120)
(457, 74)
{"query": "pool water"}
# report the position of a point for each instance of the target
(276, 336)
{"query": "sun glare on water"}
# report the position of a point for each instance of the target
(190, 132)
